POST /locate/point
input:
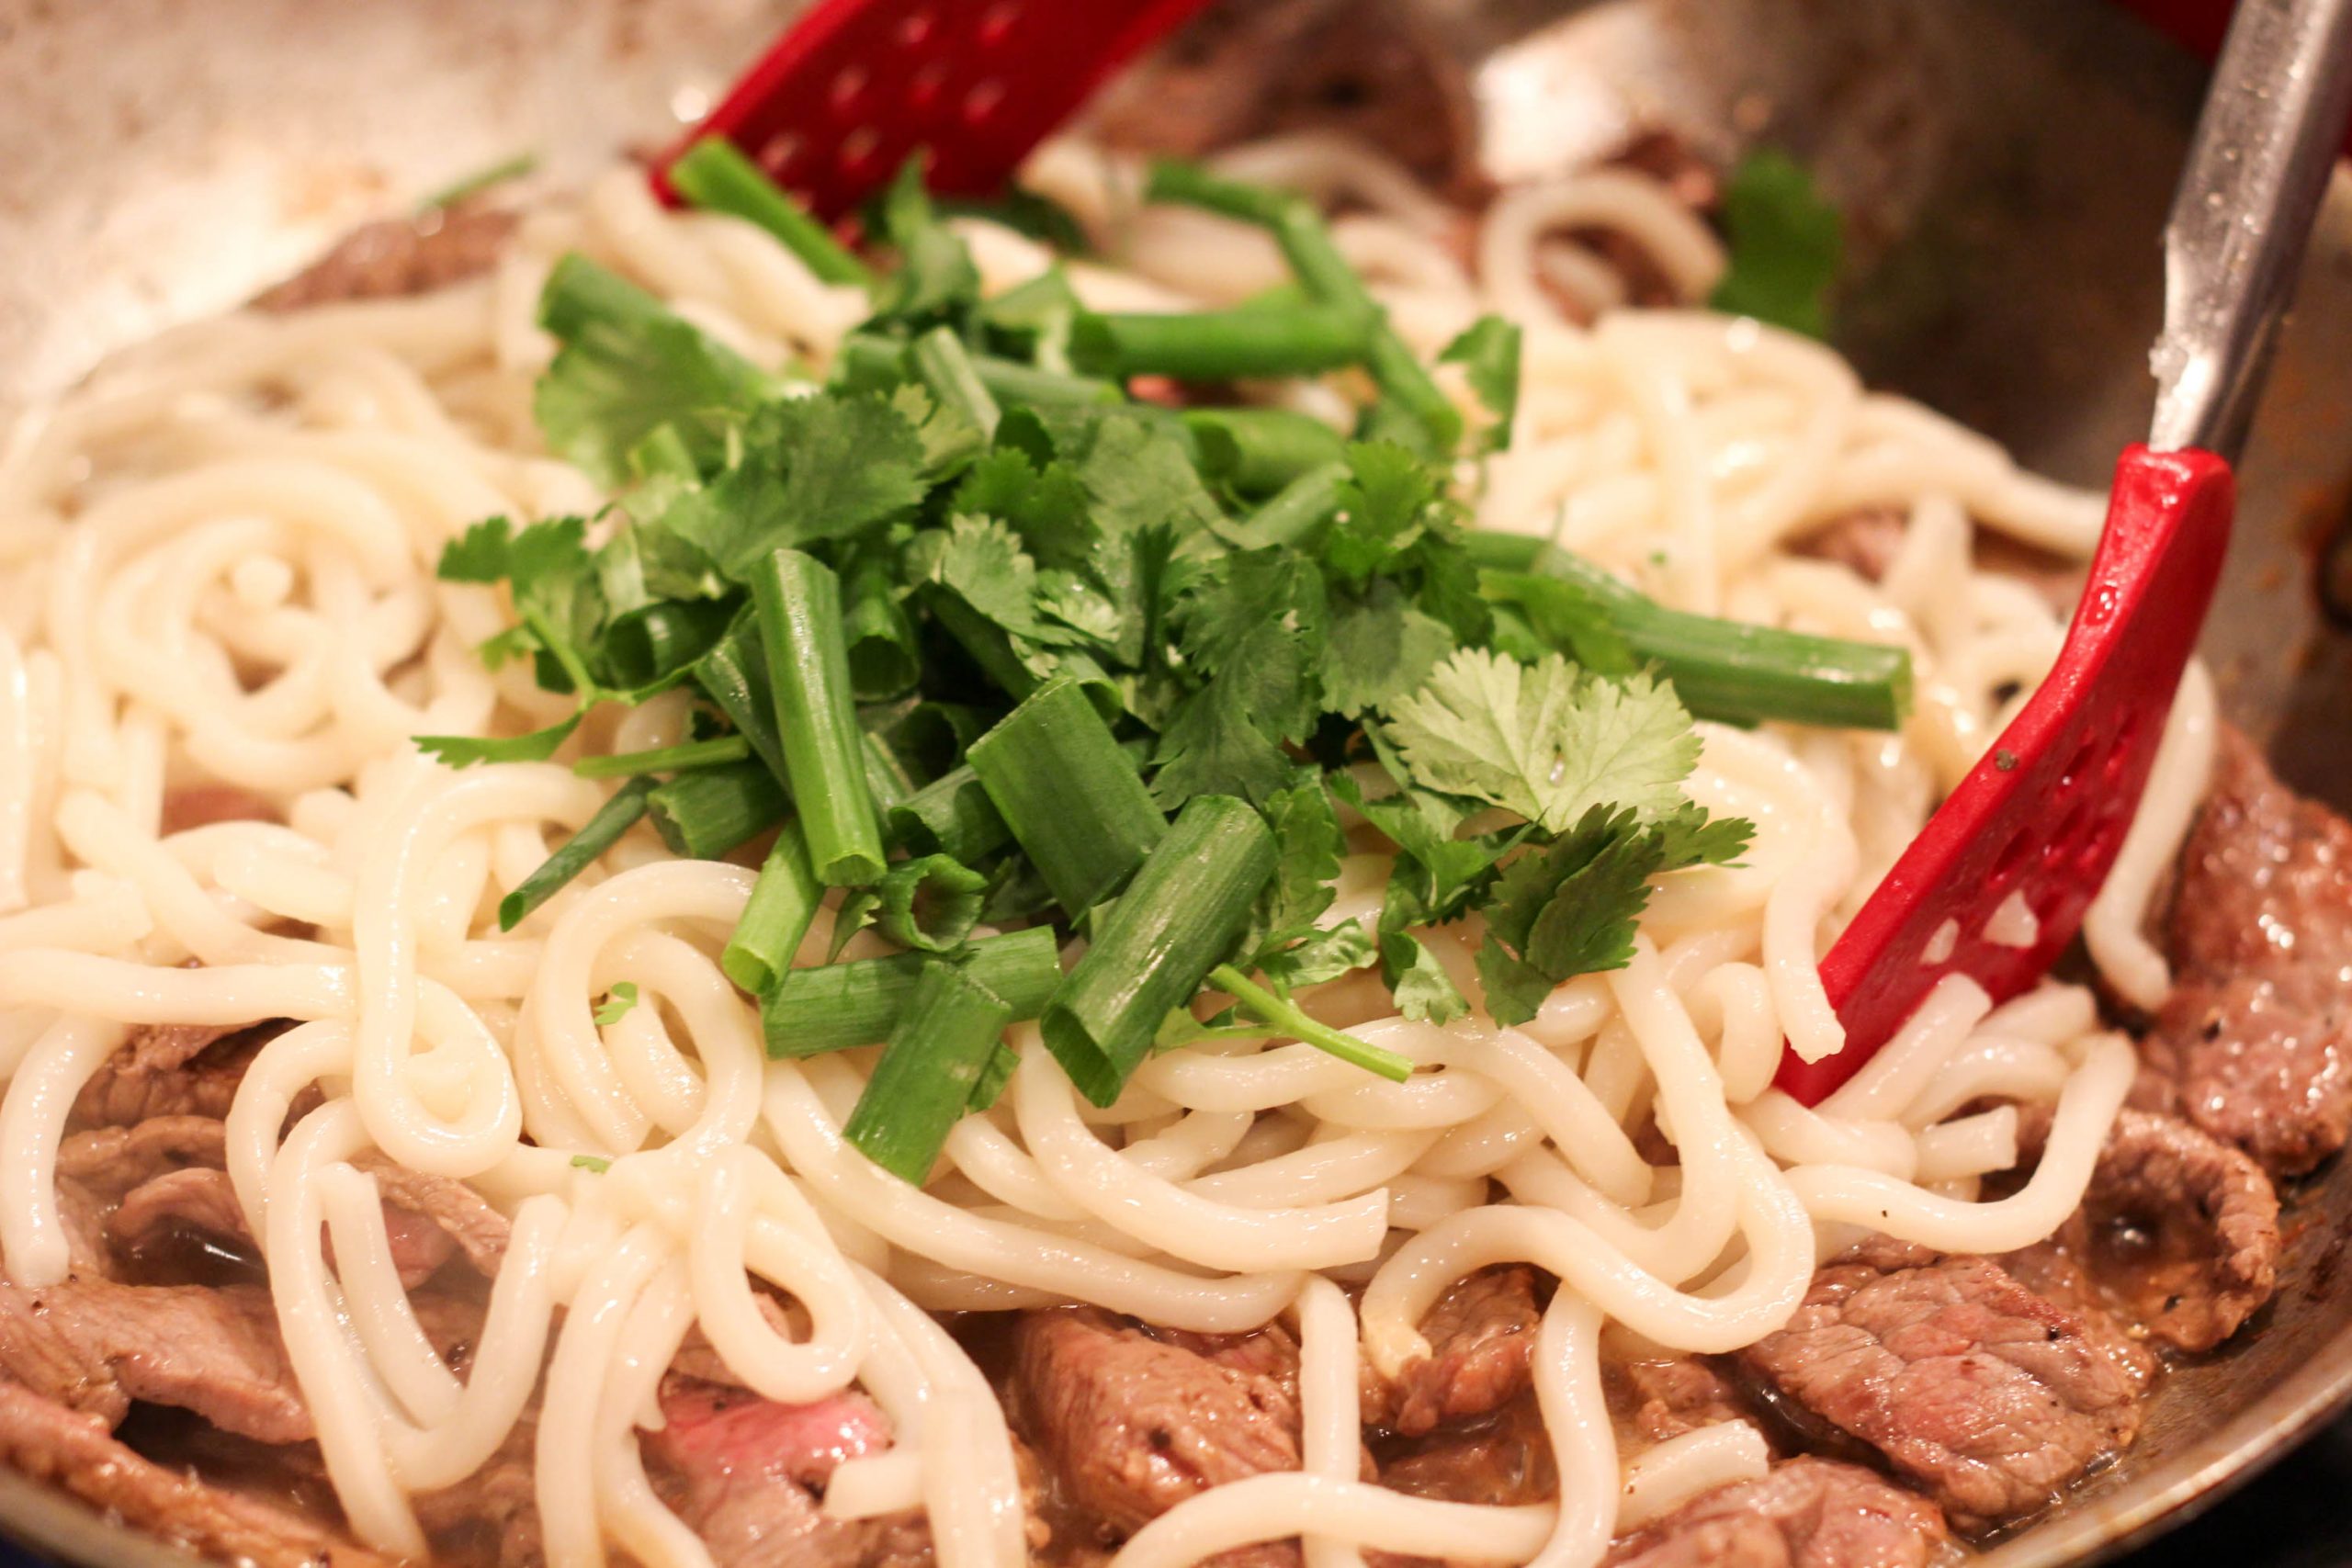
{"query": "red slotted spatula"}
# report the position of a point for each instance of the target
(855, 87)
(2041, 815)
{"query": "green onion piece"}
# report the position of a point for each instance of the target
(887, 779)
(931, 903)
(716, 177)
(1070, 795)
(1217, 345)
(991, 648)
(1728, 670)
(1308, 246)
(884, 658)
(799, 606)
(648, 644)
(950, 816)
(706, 814)
(951, 1029)
(596, 835)
(678, 758)
(836, 1006)
(994, 1076)
(1184, 910)
(1259, 451)
(867, 362)
(1292, 1020)
(467, 186)
(946, 371)
(928, 737)
(580, 293)
(1299, 508)
(784, 901)
(734, 674)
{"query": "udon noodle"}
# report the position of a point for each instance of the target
(216, 572)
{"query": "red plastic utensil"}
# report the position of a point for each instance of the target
(2040, 818)
(855, 87)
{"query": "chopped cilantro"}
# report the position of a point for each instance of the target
(618, 1001)
(1786, 242)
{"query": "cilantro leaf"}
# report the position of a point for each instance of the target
(1487, 352)
(1380, 648)
(1256, 627)
(1424, 991)
(1389, 499)
(618, 1001)
(1786, 242)
(1545, 741)
(629, 366)
(935, 277)
(1320, 956)
(818, 468)
(465, 751)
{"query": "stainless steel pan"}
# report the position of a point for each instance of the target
(2006, 164)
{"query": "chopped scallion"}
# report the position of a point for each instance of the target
(706, 814)
(784, 901)
(683, 757)
(1218, 345)
(836, 1006)
(599, 833)
(1259, 451)
(715, 176)
(1070, 795)
(931, 903)
(951, 815)
(800, 607)
(934, 1062)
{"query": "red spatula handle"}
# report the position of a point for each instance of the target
(2043, 815)
(855, 87)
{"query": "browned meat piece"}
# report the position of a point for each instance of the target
(1654, 1400)
(155, 1214)
(2180, 1229)
(1808, 1513)
(395, 257)
(51, 1443)
(1130, 1423)
(1991, 1397)
(420, 1208)
(1505, 1459)
(110, 1161)
(748, 1473)
(170, 1070)
(1370, 71)
(2251, 1046)
(83, 1216)
(202, 805)
(1481, 1337)
(492, 1515)
(95, 1347)
(1864, 540)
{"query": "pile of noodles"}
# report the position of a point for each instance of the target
(216, 568)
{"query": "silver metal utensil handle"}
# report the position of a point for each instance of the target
(2256, 169)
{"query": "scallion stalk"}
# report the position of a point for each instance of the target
(1728, 670)
(884, 659)
(784, 902)
(599, 833)
(1259, 451)
(933, 1064)
(706, 814)
(930, 904)
(1291, 513)
(1183, 911)
(950, 816)
(716, 176)
(1071, 797)
(1218, 345)
(734, 674)
(799, 608)
(836, 1006)
(870, 362)
(679, 759)
(946, 371)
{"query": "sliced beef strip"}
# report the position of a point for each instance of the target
(1482, 1340)
(446, 1208)
(73, 1451)
(83, 1213)
(170, 1070)
(1371, 73)
(204, 806)
(110, 1161)
(2177, 1227)
(2252, 1045)
(747, 1475)
(1864, 540)
(1808, 1513)
(491, 1515)
(1502, 1460)
(1989, 1396)
(1654, 1399)
(398, 256)
(95, 1347)
(1129, 1423)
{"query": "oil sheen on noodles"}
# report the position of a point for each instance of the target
(216, 563)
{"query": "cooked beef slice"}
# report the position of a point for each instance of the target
(158, 1215)
(1864, 540)
(83, 1213)
(94, 1347)
(1808, 1513)
(73, 1451)
(1651, 1400)
(170, 1070)
(746, 1474)
(203, 806)
(1503, 1459)
(1129, 1423)
(398, 256)
(1371, 73)
(493, 1515)
(1482, 1339)
(112, 1160)
(1989, 1396)
(2177, 1228)
(2251, 1045)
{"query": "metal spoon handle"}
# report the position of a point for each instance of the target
(2256, 169)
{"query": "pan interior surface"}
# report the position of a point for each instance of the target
(2004, 167)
